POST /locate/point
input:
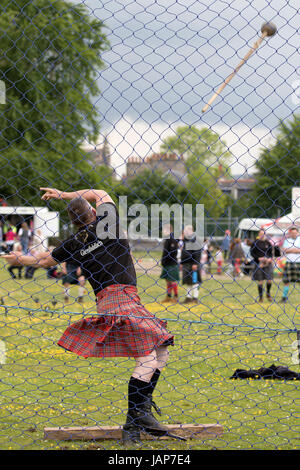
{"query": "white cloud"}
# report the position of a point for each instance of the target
(130, 137)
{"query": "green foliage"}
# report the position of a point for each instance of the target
(278, 171)
(203, 188)
(204, 152)
(152, 187)
(203, 145)
(50, 57)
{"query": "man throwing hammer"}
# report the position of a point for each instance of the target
(123, 327)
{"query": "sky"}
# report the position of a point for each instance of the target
(168, 57)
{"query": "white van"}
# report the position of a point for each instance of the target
(275, 229)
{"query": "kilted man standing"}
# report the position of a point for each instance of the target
(169, 262)
(291, 251)
(190, 264)
(262, 254)
(123, 327)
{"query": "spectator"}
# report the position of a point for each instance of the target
(209, 258)
(291, 250)
(169, 262)
(236, 256)
(36, 247)
(248, 261)
(262, 253)
(226, 244)
(190, 263)
(18, 250)
(10, 238)
(219, 259)
(52, 272)
(72, 274)
(24, 234)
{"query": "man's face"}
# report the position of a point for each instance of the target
(293, 233)
(188, 231)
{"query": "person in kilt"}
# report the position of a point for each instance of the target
(72, 276)
(191, 264)
(291, 251)
(123, 326)
(169, 262)
(262, 253)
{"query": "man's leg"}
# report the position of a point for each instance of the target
(11, 271)
(81, 281)
(140, 389)
(260, 290)
(169, 292)
(66, 292)
(175, 290)
(288, 276)
(269, 286)
(195, 292)
(285, 292)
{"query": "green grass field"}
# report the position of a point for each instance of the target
(41, 385)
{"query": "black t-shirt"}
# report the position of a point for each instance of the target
(169, 255)
(191, 251)
(71, 267)
(261, 249)
(101, 250)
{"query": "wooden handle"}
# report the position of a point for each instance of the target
(221, 88)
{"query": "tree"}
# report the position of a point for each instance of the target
(204, 153)
(203, 145)
(203, 189)
(152, 187)
(278, 170)
(155, 192)
(51, 56)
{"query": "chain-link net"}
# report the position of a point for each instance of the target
(106, 98)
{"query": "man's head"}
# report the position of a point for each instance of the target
(293, 232)
(261, 234)
(188, 231)
(81, 212)
(167, 230)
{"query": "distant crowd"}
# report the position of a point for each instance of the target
(257, 258)
(187, 259)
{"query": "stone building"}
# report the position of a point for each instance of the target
(98, 154)
(174, 165)
(169, 164)
(236, 185)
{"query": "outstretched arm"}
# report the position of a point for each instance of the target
(98, 196)
(40, 260)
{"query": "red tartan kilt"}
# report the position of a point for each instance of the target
(123, 328)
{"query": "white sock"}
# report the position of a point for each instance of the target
(194, 291)
(67, 292)
(80, 291)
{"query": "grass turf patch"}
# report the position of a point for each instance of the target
(41, 385)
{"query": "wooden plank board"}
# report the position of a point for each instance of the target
(189, 431)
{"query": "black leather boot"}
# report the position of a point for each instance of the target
(149, 423)
(147, 420)
(131, 430)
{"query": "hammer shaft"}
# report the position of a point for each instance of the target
(221, 88)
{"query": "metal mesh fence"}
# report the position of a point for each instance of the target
(107, 99)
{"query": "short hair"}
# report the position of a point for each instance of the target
(79, 210)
